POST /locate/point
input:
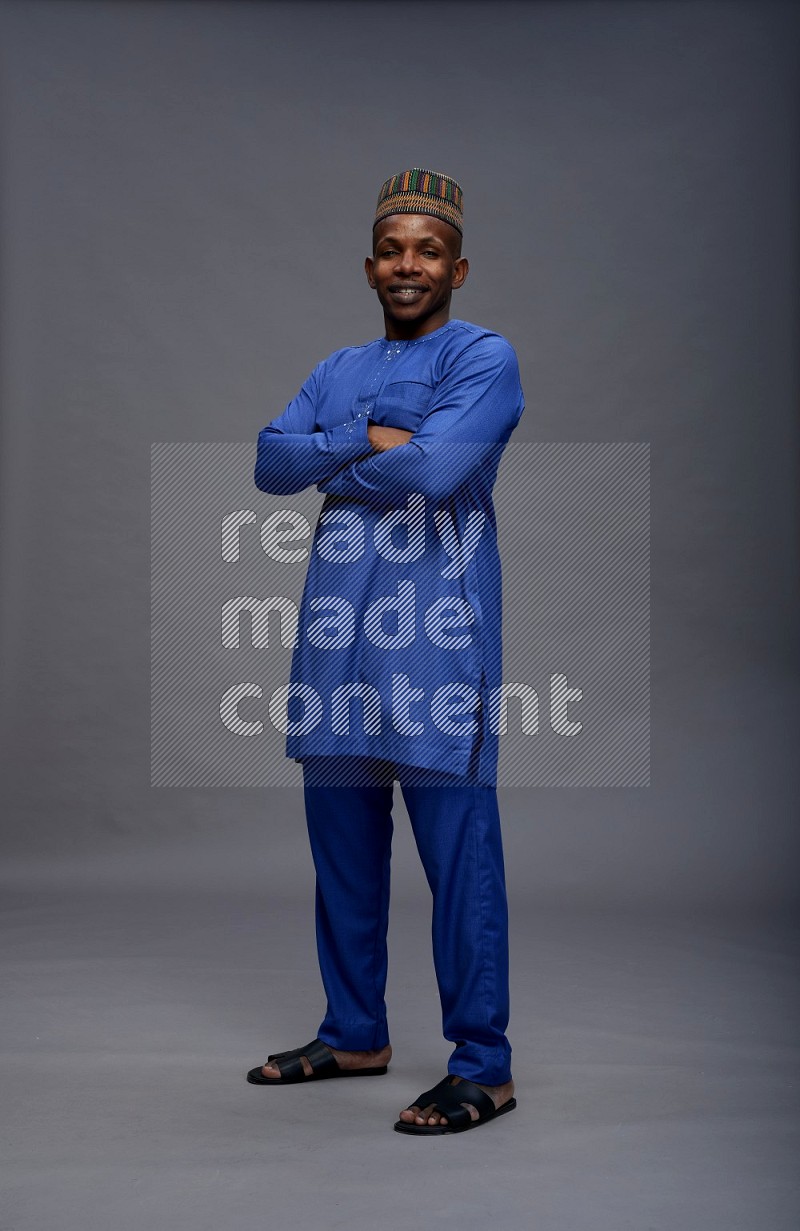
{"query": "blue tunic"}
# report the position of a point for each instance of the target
(398, 649)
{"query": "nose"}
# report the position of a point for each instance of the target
(407, 261)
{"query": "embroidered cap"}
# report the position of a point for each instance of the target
(422, 192)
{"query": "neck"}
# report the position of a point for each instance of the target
(400, 331)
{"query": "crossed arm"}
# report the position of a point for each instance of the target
(473, 412)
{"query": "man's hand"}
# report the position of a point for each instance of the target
(383, 438)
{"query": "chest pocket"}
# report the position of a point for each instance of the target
(403, 404)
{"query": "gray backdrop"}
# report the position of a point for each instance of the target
(186, 204)
(187, 200)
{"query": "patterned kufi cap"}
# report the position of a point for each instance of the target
(422, 192)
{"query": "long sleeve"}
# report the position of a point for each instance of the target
(292, 454)
(470, 418)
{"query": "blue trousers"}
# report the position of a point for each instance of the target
(456, 826)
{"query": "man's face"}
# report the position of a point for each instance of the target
(415, 267)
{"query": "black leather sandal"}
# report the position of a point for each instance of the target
(322, 1060)
(447, 1099)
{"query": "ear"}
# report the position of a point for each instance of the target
(460, 271)
(368, 266)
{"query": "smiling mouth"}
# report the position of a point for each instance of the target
(407, 292)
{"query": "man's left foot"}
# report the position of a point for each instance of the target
(427, 1115)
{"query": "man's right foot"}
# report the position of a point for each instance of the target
(345, 1060)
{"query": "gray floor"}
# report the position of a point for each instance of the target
(655, 1059)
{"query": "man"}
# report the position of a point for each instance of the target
(398, 655)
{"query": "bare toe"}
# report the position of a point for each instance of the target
(272, 1070)
(422, 1115)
